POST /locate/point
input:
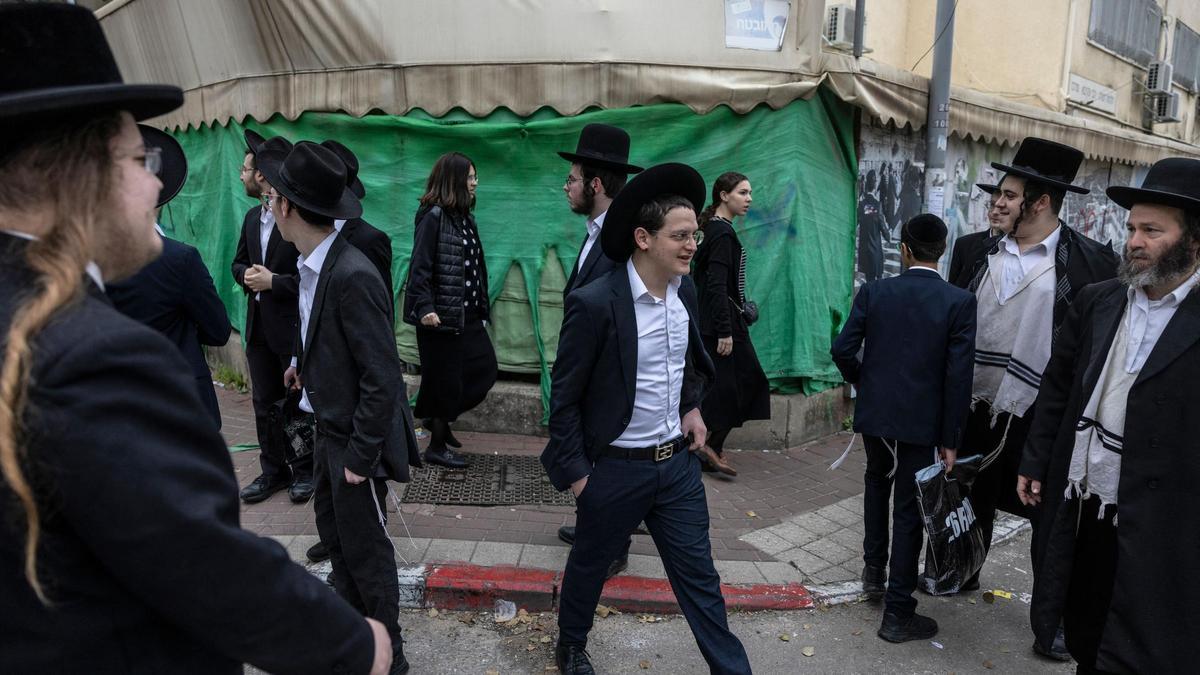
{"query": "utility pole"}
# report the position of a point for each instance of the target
(937, 120)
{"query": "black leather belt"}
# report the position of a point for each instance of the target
(658, 453)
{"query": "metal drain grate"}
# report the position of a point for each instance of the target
(490, 480)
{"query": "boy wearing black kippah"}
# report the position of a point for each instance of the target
(914, 388)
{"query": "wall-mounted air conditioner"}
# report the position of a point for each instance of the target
(839, 25)
(1165, 108)
(1158, 77)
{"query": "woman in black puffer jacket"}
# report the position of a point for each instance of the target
(446, 298)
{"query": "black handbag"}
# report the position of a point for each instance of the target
(749, 311)
(294, 429)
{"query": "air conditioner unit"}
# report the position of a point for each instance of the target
(1166, 108)
(1158, 77)
(839, 25)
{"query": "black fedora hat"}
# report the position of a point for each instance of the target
(616, 238)
(351, 162)
(1174, 181)
(1046, 162)
(55, 63)
(603, 146)
(254, 141)
(988, 187)
(174, 169)
(313, 178)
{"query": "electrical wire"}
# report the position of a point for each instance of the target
(949, 22)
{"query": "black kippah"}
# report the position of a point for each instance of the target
(925, 228)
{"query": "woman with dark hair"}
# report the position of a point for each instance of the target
(739, 392)
(446, 298)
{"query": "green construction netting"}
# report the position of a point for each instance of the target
(799, 235)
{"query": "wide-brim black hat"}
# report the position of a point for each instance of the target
(174, 171)
(351, 162)
(55, 64)
(254, 141)
(1174, 181)
(1046, 162)
(616, 237)
(988, 187)
(313, 178)
(603, 146)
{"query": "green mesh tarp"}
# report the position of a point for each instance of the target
(799, 235)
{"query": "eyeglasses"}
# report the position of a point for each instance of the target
(150, 157)
(571, 180)
(682, 237)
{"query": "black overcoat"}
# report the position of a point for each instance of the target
(1152, 620)
(374, 244)
(278, 310)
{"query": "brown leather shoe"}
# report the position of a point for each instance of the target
(711, 458)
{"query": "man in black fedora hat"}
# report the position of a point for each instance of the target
(624, 411)
(349, 375)
(120, 543)
(175, 294)
(599, 168)
(265, 267)
(1111, 456)
(367, 238)
(1024, 281)
(914, 387)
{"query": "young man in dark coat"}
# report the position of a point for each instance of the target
(175, 294)
(350, 377)
(599, 168)
(967, 248)
(624, 411)
(120, 546)
(1024, 280)
(914, 388)
(360, 234)
(1111, 457)
(265, 267)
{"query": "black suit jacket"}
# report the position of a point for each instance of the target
(278, 310)
(964, 254)
(175, 296)
(914, 380)
(142, 553)
(1151, 623)
(595, 376)
(374, 244)
(351, 371)
(596, 265)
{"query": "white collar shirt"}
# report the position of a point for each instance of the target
(339, 224)
(266, 222)
(593, 233)
(1016, 264)
(310, 273)
(662, 343)
(1148, 318)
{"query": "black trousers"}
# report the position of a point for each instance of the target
(669, 497)
(1091, 588)
(348, 522)
(996, 486)
(266, 387)
(907, 530)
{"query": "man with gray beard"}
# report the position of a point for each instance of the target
(1111, 454)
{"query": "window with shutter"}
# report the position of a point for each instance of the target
(1129, 28)
(1185, 56)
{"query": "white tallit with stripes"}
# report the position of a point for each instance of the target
(1099, 434)
(1013, 337)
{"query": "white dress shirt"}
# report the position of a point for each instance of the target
(1148, 318)
(266, 221)
(593, 230)
(1017, 264)
(339, 224)
(310, 273)
(662, 329)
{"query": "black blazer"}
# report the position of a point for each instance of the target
(142, 552)
(964, 254)
(596, 265)
(278, 310)
(1151, 623)
(595, 376)
(914, 380)
(351, 370)
(374, 244)
(175, 296)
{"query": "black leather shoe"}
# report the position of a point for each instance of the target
(329, 579)
(567, 534)
(874, 583)
(301, 490)
(261, 488)
(903, 629)
(446, 457)
(317, 552)
(617, 566)
(1058, 649)
(573, 660)
(399, 663)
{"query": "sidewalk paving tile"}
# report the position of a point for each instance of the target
(830, 551)
(779, 572)
(645, 566)
(449, 550)
(493, 553)
(544, 557)
(792, 533)
(807, 563)
(816, 523)
(841, 516)
(739, 572)
(767, 541)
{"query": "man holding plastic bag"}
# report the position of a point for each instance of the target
(914, 386)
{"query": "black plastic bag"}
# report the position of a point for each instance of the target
(955, 550)
(291, 429)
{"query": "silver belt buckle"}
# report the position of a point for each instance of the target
(664, 452)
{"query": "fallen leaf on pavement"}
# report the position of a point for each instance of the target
(604, 610)
(857, 632)
(807, 626)
(530, 648)
(644, 664)
(433, 612)
(808, 651)
(785, 637)
(752, 514)
(545, 639)
(989, 665)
